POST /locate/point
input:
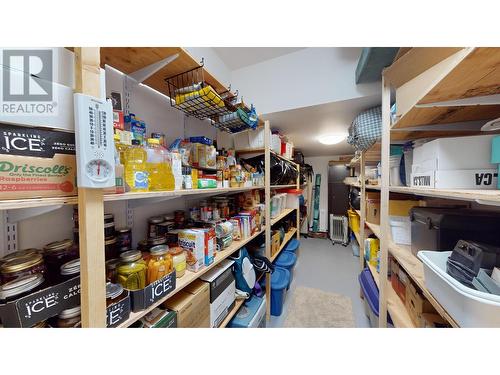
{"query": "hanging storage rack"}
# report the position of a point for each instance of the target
(237, 121)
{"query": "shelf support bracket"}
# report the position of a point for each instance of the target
(143, 74)
(476, 100)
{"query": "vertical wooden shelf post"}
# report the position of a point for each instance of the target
(362, 209)
(298, 209)
(91, 209)
(384, 202)
(267, 193)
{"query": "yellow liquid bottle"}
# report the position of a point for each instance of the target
(136, 175)
(159, 171)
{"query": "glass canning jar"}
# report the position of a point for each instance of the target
(21, 287)
(114, 293)
(111, 267)
(110, 248)
(69, 318)
(28, 264)
(179, 260)
(56, 254)
(131, 273)
(70, 269)
(160, 263)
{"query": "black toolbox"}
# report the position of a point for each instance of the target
(441, 228)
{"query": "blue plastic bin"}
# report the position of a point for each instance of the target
(370, 294)
(293, 246)
(287, 260)
(279, 281)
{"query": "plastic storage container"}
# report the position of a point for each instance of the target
(279, 282)
(287, 260)
(468, 307)
(370, 296)
(251, 315)
(400, 229)
(353, 220)
(292, 198)
(293, 246)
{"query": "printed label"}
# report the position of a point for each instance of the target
(118, 312)
(140, 180)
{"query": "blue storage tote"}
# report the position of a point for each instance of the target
(279, 281)
(370, 293)
(287, 260)
(293, 246)
(251, 315)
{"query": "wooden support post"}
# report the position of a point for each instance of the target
(384, 203)
(362, 209)
(298, 209)
(267, 193)
(91, 209)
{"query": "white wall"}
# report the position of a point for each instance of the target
(320, 166)
(304, 78)
(213, 63)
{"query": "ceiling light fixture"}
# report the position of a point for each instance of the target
(332, 139)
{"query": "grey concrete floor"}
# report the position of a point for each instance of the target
(331, 268)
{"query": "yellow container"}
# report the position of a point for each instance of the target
(353, 220)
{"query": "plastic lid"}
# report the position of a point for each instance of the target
(136, 142)
(280, 278)
(293, 191)
(20, 285)
(116, 137)
(293, 245)
(131, 255)
(286, 259)
(113, 290)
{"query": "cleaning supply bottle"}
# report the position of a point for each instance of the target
(159, 172)
(136, 176)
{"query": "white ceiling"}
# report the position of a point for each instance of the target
(239, 57)
(303, 125)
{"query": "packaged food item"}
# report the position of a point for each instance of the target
(138, 128)
(56, 254)
(176, 165)
(118, 120)
(179, 260)
(131, 273)
(160, 263)
(36, 162)
(207, 183)
(136, 177)
(193, 241)
(27, 263)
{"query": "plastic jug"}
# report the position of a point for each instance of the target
(136, 176)
(159, 171)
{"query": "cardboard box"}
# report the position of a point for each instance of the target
(275, 242)
(373, 211)
(36, 162)
(401, 207)
(159, 318)
(222, 291)
(118, 312)
(193, 241)
(417, 305)
(118, 122)
(430, 320)
(192, 305)
(143, 298)
(403, 282)
(456, 179)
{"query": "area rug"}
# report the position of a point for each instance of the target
(314, 308)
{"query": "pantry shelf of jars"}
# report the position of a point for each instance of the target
(137, 245)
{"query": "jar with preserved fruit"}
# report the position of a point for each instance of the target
(70, 269)
(20, 253)
(179, 260)
(56, 254)
(114, 293)
(131, 273)
(124, 239)
(28, 264)
(111, 269)
(69, 318)
(152, 223)
(21, 287)
(110, 249)
(160, 263)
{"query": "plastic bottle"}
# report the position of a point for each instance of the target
(119, 167)
(158, 167)
(136, 176)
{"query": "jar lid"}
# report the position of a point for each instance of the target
(108, 216)
(176, 250)
(159, 250)
(109, 225)
(21, 263)
(169, 217)
(113, 263)
(130, 256)
(110, 241)
(71, 268)
(20, 285)
(70, 313)
(155, 219)
(113, 290)
(123, 230)
(21, 253)
(156, 240)
(58, 245)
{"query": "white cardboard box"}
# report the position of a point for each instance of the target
(241, 140)
(456, 179)
(256, 137)
(458, 153)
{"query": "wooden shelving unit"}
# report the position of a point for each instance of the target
(288, 236)
(238, 303)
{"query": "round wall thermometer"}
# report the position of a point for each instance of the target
(99, 170)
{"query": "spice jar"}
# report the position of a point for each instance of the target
(70, 269)
(114, 293)
(56, 254)
(179, 260)
(152, 223)
(160, 263)
(110, 250)
(111, 266)
(124, 239)
(131, 273)
(28, 264)
(21, 287)
(70, 318)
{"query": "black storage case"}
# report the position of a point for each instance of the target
(441, 228)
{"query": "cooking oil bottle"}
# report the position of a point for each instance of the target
(136, 176)
(158, 167)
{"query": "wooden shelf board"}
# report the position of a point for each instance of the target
(250, 151)
(283, 214)
(288, 236)
(486, 196)
(369, 187)
(415, 269)
(189, 277)
(375, 228)
(395, 306)
(419, 134)
(238, 303)
(358, 237)
(358, 212)
(11, 204)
